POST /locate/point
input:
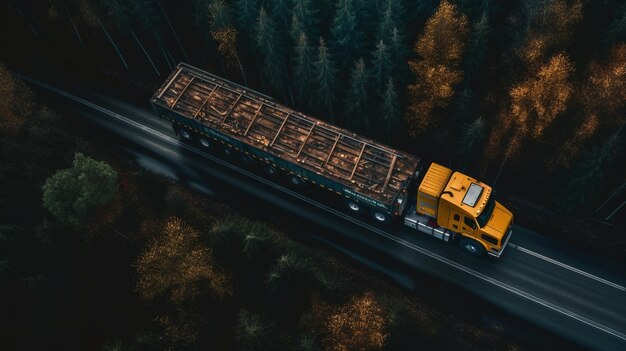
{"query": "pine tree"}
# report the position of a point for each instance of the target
(473, 133)
(303, 68)
(356, 113)
(326, 81)
(477, 48)
(247, 15)
(273, 57)
(381, 68)
(586, 176)
(389, 110)
(348, 40)
(304, 20)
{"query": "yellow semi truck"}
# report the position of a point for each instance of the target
(369, 177)
(454, 207)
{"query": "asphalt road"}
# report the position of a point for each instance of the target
(560, 289)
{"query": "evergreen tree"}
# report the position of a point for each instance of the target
(389, 110)
(381, 68)
(356, 113)
(72, 194)
(477, 48)
(303, 69)
(273, 57)
(247, 14)
(586, 176)
(391, 17)
(304, 20)
(348, 40)
(473, 133)
(117, 12)
(325, 79)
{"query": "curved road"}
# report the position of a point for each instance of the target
(538, 279)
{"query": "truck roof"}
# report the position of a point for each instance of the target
(370, 168)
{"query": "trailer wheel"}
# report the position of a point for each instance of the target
(185, 134)
(472, 247)
(271, 170)
(247, 160)
(353, 206)
(228, 152)
(296, 180)
(380, 217)
(205, 143)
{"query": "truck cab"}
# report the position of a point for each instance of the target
(466, 208)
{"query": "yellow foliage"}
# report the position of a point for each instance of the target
(440, 50)
(358, 325)
(536, 102)
(571, 147)
(226, 45)
(178, 267)
(552, 27)
(608, 83)
(16, 102)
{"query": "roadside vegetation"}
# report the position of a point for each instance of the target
(96, 253)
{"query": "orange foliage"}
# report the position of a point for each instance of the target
(226, 45)
(358, 325)
(440, 50)
(536, 102)
(608, 83)
(552, 27)
(571, 147)
(178, 267)
(16, 102)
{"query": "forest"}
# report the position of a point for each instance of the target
(528, 95)
(495, 88)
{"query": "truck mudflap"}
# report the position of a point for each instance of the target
(497, 254)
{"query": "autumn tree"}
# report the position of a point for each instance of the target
(436, 69)
(325, 80)
(356, 113)
(606, 90)
(72, 194)
(16, 102)
(176, 266)
(358, 325)
(536, 102)
(548, 26)
(225, 35)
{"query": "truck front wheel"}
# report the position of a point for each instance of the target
(472, 247)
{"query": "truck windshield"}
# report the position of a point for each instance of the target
(486, 214)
